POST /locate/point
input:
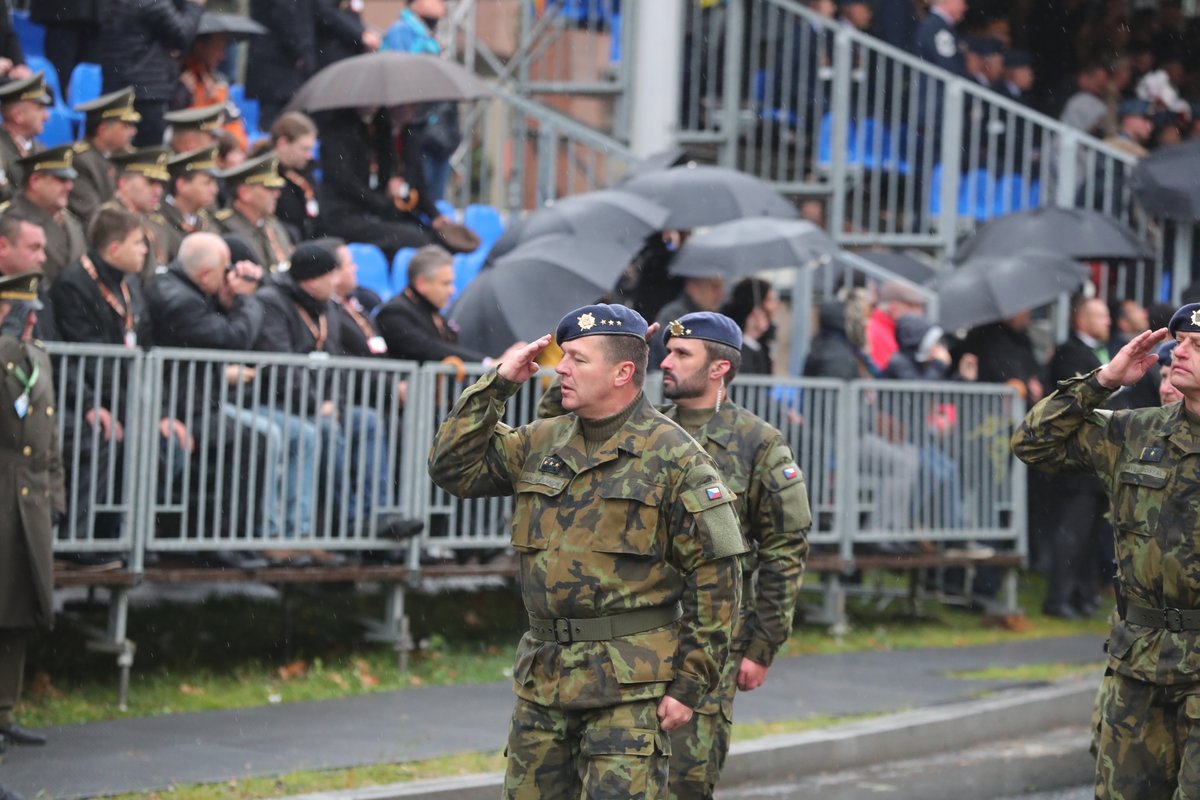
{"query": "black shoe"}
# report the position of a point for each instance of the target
(15, 734)
(394, 526)
(1062, 611)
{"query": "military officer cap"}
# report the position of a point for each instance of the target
(261, 171)
(57, 161)
(707, 325)
(148, 161)
(20, 288)
(194, 162)
(1185, 320)
(984, 46)
(1017, 58)
(600, 319)
(1134, 108)
(205, 118)
(32, 88)
(114, 106)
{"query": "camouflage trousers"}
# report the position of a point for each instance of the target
(614, 752)
(699, 748)
(1148, 740)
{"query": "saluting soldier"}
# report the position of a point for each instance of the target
(141, 180)
(31, 492)
(254, 186)
(24, 109)
(628, 541)
(109, 127)
(1149, 462)
(45, 191)
(191, 190)
(194, 128)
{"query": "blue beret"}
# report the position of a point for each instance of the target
(1186, 319)
(706, 325)
(1131, 108)
(1017, 58)
(601, 318)
(1165, 351)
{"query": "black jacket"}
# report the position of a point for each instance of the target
(1005, 355)
(407, 324)
(292, 207)
(10, 45)
(283, 331)
(49, 12)
(832, 354)
(280, 61)
(183, 316)
(339, 33)
(140, 43)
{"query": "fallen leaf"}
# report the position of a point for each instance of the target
(41, 686)
(296, 669)
(415, 680)
(336, 677)
(190, 691)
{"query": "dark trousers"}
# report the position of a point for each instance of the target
(152, 127)
(12, 668)
(67, 44)
(388, 235)
(1074, 576)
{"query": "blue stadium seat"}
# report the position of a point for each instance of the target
(60, 129)
(467, 267)
(372, 269)
(42, 64)
(1012, 194)
(825, 145)
(447, 209)
(976, 194)
(486, 222)
(614, 49)
(60, 115)
(31, 35)
(85, 83)
(400, 269)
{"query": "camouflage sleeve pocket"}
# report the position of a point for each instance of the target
(786, 483)
(712, 507)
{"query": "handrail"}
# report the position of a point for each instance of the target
(569, 126)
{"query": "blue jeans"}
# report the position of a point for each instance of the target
(437, 175)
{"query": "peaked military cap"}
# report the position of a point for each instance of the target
(148, 161)
(261, 171)
(1017, 58)
(985, 46)
(205, 118)
(116, 105)
(32, 88)
(707, 325)
(1134, 108)
(1185, 320)
(600, 319)
(194, 162)
(22, 287)
(57, 161)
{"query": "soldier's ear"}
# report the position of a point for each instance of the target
(624, 374)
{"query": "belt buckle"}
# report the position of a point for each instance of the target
(1173, 620)
(562, 630)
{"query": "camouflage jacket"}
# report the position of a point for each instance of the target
(643, 522)
(1149, 462)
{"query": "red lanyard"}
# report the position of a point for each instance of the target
(318, 331)
(124, 311)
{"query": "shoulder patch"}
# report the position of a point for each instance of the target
(81, 146)
(716, 520)
(223, 214)
(943, 41)
(783, 477)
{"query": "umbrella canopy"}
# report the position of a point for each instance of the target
(1165, 182)
(527, 292)
(899, 264)
(387, 79)
(1071, 232)
(991, 288)
(702, 195)
(745, 246)
(673, 156)
(603, 214)
(232, 25)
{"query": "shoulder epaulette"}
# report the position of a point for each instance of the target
(157, 218)
(81, 146)
(5, 206)
(223, 214)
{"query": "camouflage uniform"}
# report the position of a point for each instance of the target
(1149, 737)
(772, 506)
(634, 524)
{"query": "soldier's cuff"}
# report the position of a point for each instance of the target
(503, 387)
(760, 652)
(687, 690)
(1094, 389)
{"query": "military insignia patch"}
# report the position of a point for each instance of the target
(1151, 454)
(790, 473)
(713, 492)
(551, 464)
(586, 322)
(1196, 317)
(675, 327)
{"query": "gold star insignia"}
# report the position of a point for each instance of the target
(1196, 317)
(675, 327)
(586, 322)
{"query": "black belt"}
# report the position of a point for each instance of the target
(565, 630)
(1175, 620)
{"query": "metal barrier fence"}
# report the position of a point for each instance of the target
(241, 451)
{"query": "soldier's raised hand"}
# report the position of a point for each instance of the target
(519, 365)
(1132, 361)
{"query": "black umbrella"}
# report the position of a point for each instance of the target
(702, 195)
(387, 79)
(899, 264)
(990, 288)
(606, 213)
(527, 292)
(673, 156)
(1072, 232)
(232, 25)
(746, 246)
(1165, 182)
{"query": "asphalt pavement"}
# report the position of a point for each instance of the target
(415, 724)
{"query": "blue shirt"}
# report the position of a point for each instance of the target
(410, 34)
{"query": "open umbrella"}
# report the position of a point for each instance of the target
(603, 214)
(1165, 182)
(1072, 232)
(990, 288)
(702, 195)
(387, 79)
(234, 26)
(673, 156)
(527, 292)
(899, 264)
(743, 247)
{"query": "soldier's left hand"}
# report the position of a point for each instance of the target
(672, 713)
(751, 675)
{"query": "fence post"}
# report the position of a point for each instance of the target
(846, 485)
(1181, 271)
(951, 145)
(657, 74)
(143, 446)
(843, 64)
(1067, 161)
(731, 102)
(547, 162)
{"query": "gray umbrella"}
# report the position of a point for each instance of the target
(702, 195)
(232, 25)
(1072, 232)
(1165, 182)
(606, 213)
(527, 292)
(991, 288)
(745, 246)
(387, 79)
